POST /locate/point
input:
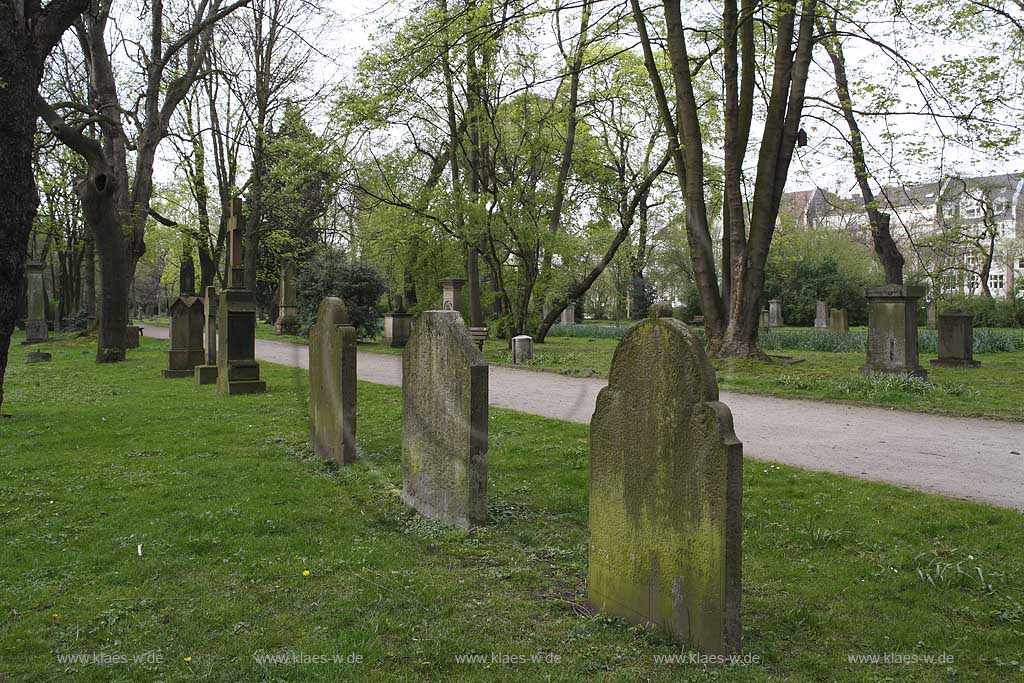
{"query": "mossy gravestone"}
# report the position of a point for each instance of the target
(666, 483)
(332, 383)
(444, 421)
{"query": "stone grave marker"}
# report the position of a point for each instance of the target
(775, 313)
(397, 325)
(956, 341)
(36, 327)
(186, 337)
(207, 372)
(522, 349)
(821, 315)
(332, 383)
(892, 330)
(666, 488)
(838, 321)
(288, 309)
(444, 422)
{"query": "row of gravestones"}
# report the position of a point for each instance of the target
(665, 464)
(227, 319)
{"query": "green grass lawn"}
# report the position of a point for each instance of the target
(231, 509)
(993, 390)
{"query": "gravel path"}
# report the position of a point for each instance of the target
(966, 458)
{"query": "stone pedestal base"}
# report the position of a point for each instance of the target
(206, 374)
(174, 374)
(237, 369)
(397, 330)
(243, 377)
(287, 321)
(892, 330)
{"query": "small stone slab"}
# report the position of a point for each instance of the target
(38, 357)
(666, 489)
(332, 384)
(444, 421)
(522, 349)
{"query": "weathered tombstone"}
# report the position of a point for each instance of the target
(36, 327)
(288, 310)
(775, 313)
(397, 325)
(821, 315)
(207, 372)
(133, 333)
(522, 349)
(839, 321)
(37, 357)
(569, 315)
(764, 320)
(237, 369)
(956, 341)
(332, 383)
(451, 294)
(444, 422)
(892, 330)
(186, 337)
(932, 314)
(666, 489)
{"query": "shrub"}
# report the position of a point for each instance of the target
(1007, 312)
(359, 285)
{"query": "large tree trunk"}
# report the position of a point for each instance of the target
(18, 201)
(98, 194)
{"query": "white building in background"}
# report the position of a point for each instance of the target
(987, 212)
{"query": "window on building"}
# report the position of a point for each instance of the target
(971, 209)
(997, 281)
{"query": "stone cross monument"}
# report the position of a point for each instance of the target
(237, 369)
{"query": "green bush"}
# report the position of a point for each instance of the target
(359, 285)
(988, 312)
(805, 267)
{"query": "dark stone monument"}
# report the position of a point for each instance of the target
(186, 337)
(237, 369)
(133, 334)
(956, 341)
(838, 321)
(821, 315)
(397, 325)
(36, 327)
(37, 357)
(451, 294)
(666, 489)
(332, 384)
(444, 422)
(892, 330)
(775, 313)
(207, 372)
(288, 310)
